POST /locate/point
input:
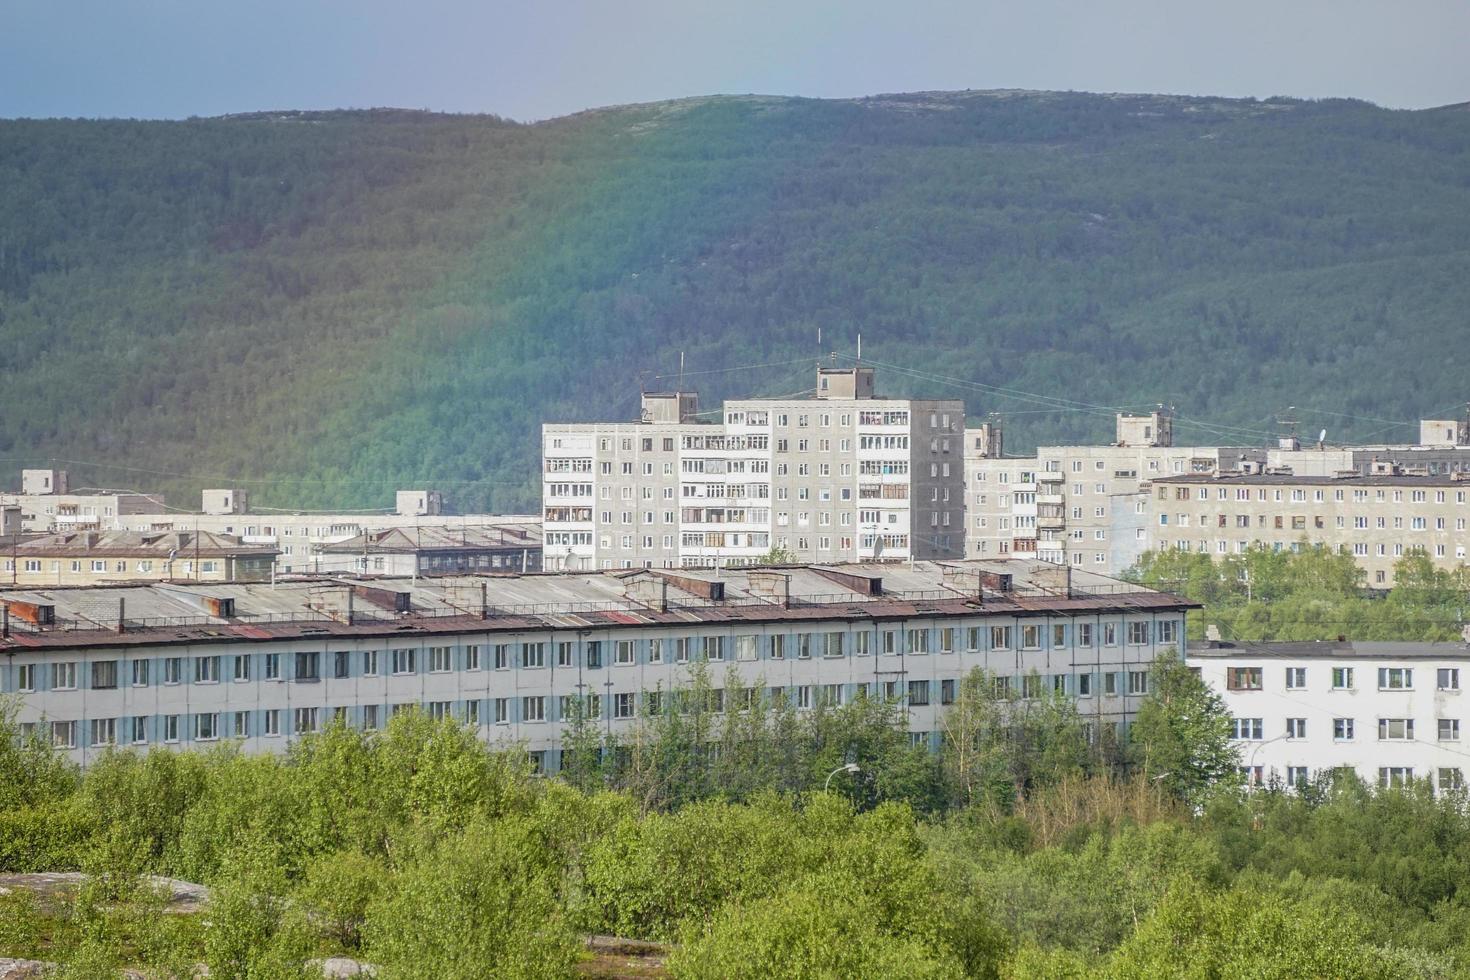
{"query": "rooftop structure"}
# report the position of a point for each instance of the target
(434, 551)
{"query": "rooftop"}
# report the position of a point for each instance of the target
(320, 607)
(1330, 650)
(1287, 479)
(412, 540)
(146, 544)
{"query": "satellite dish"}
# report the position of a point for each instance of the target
(1322, 436)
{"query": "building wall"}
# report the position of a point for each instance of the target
(1317, 703)
(89, 570)
(823, 479)
(1376, 522)
(370, 688)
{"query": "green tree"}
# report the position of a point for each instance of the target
(1181, 735)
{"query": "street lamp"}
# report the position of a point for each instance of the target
(848, 767)
(1251, 765)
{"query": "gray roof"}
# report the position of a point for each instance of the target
(1331, 650)
(1286, 479)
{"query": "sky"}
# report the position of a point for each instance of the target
(535, 59)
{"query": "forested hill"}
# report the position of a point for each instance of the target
(321, 306)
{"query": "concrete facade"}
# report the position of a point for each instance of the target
(843, 476)
(1376, 519)
(195, 665)
(1390, 712)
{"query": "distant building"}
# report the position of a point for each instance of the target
(1389, 712)
(1377, 519)
(47, 504)
(102, 557)
(845, 475)
(434, 551)
(1077, 505)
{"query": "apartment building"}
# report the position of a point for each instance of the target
(1443, 449)
(1377, 519)
(98, 557)
(1077, 505)
(842, 476)
(1390, 712)
(47, 504)
(157, 666)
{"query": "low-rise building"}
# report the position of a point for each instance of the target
(97, 557)
(1377, 519)
(434, 550)
(47, 504)
(169, 666)
(1390, 712)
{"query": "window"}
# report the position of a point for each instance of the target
(861, 644)
(240, 725)
(946, 640)
(714, 648)
(624, 705)
(1247, 729)
(1137, 633)
(64, 734)
(439, 710)
(1342, 678)
(1084, 634)
(1395, 678)
(240, 667)
(918, 693)
(305, 721)
(502, 656)
(918, 641)
(1110, 683)
(64, 676)
(1137, 682)
(623, 653)
(1058, 636)
(104, 731)
(746, 646)
(501, 715)
(1031, 637)
(1449, 729)
(1447, 679)
(472, 657)
(1297, 776)
(1451, 779)
(140, 673)
(440, 661)
(1110, 634)
(946, 692)
(1342, 729)
(533, 708)
(139, 730)
(104, 675)
(1296, 678)
(1084, 685)
(206, 670)
(1296, 728)
(1395, 776)
(594, 654)
(404, 660)
(1000, 637)
(1395, 729)
(273, 721)
(370, 663)
(206, 727)
(533, 655)
(1243, 678)
(308, 666)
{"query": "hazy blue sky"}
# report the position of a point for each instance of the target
(540, 58)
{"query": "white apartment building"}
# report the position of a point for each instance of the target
(1077, 505)
(843, 476)
(1390, 712)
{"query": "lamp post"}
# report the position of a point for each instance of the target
(848, 767)
(1251, 765)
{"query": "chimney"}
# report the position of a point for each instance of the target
(122, 609)
(484, 601)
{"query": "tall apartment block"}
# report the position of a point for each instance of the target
(844, 475)
(1078, 505)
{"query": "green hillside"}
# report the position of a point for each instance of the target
(323, 306)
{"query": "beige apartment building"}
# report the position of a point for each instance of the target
(1377, 519)
(47, 504)
(1077, 505)
(107, 557)
(845, 475)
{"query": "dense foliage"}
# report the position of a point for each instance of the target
(1309, 594)
(424, 851)
(323, 306)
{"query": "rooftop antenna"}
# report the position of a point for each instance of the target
(860, 349)
(681, 372)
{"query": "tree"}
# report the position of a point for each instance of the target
(1181, 735)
